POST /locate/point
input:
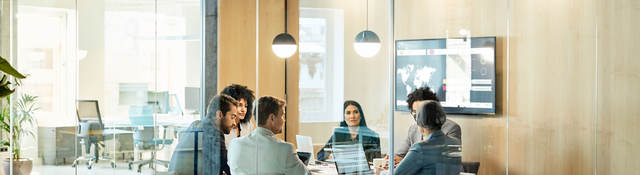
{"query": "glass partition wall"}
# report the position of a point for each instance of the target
(110, 85)
(344, 101)
(116, 86)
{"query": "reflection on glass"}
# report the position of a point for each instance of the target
(321, 64)
(133, 59)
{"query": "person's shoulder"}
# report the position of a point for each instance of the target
(366, 131)
(419, 147)
(236, 140)
(451, 122)
(285, 146)
(414, 126)
(451, 140)
(195, 125)
(240, 140)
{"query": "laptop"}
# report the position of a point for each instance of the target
(350, 159)
(305, 148)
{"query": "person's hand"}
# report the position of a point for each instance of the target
(379, 168)
(396, 161)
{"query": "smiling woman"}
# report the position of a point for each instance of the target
(353, 130)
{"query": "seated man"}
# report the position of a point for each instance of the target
(212, 152)
(437, 154)
(261, 152)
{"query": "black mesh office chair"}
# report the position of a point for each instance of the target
(90, 132)
(471, 167)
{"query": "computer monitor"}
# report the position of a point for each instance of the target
(159, 101)
(174, 105)
(192, 99)
(132, 94)
(88, 111)
(461, 71)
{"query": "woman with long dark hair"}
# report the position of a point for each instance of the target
(245, 124)
(353, 130)
(437, 153)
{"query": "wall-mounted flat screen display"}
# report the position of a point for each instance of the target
(461, 71)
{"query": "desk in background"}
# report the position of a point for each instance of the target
(56, 143)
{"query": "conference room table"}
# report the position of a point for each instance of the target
(327, 168)
(322, 169)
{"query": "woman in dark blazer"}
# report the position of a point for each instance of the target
(353, 130)
(437, 154)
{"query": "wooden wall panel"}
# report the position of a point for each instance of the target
(618, 85)
(237, 51)
(484, 137)
(237, 41)
(552, 78)
(552, 102)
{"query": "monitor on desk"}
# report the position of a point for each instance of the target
(132, 94)
(159, 101)
(192, 99)
(88, 110)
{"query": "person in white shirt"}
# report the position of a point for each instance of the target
(261, 152)
(245, 122)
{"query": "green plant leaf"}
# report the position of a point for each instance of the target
(8, 69)
(5, 91)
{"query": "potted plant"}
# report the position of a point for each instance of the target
(9, 79)
(23, 122)
(6, 84)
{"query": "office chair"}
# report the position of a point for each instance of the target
(90, 132)
(144, 136)
(471, 167)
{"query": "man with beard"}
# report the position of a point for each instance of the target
(212, 153)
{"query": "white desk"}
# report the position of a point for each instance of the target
(162, 120)
(329, 168)
(322, 169)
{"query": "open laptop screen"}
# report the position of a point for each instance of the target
(350, 159)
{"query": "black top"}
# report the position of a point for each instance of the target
(368, 138)
(436, 155)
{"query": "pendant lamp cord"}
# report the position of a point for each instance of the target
(285, 16)
(367, 16)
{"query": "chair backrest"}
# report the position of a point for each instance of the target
(141, 118)
(89, 118)
(88, 111)
(471, 167)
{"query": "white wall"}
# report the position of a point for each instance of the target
(366, 80)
